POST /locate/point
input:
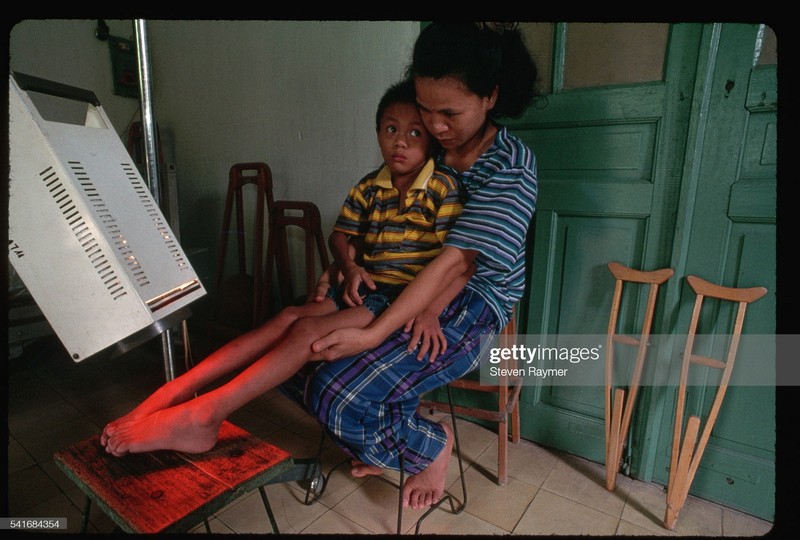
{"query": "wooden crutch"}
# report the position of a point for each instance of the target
(685, 458)
(617, 420)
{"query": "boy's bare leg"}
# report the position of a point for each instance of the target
(193, 425)
(427, 487)
(232, 356)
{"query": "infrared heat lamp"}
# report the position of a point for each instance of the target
(86, 236)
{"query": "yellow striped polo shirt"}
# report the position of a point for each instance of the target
(399, 243)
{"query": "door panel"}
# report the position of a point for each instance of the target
(678, 173)
(609, 168)
(733, 243)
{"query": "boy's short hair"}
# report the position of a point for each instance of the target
(401, 92)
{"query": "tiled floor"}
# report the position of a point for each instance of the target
(54, 402)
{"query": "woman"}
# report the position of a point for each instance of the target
(466, 76)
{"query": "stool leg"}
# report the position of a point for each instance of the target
(269, 510)
(87, 506)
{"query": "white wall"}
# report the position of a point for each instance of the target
(298, 95)
(68, 52)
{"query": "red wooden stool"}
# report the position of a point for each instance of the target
(166, 491)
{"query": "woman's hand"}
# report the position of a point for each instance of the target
(342, 343)
(426, 335)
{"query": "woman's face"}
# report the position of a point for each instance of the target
(451, 112)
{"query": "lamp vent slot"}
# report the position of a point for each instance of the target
(153, 211)
(110, 223)
(82, 233)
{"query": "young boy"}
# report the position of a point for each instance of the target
(394, 220)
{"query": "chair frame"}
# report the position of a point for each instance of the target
(284, 214)
(241, 175)
(508, 389)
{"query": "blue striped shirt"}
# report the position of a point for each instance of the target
(501, 200)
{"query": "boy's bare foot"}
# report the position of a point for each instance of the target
(360, 469)
(184, 428)
(427, 487)
(166, 396)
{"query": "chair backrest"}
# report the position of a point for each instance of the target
(305, 216)
(241, 175)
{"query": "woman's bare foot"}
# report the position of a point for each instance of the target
(360, 469)
(185, 428)
(427, 487)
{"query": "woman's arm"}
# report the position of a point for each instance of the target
(426, 332)
(445, 268)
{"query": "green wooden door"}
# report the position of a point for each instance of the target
(730, 195)
(677, 172)
(610, 161)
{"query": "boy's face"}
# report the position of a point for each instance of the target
(404, 141)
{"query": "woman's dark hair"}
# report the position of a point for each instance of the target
(482, 58)
(401, 92)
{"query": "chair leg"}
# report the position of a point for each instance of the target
(502, 453)
(319, 481)
(447, 497)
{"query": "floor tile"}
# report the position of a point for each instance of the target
(527, 462)
(738, 524)
(332, 522)
(501, 506)
(27, 488)
(584, 482)
(442, 521)
(374, 506)
(18, 458)
(247, 515)
(553, 514)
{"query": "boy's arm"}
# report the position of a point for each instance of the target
(329, 276)
(345, 252)
(332, 275)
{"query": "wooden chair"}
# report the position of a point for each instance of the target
(246, 287)
(305, 216)
(316, 487)
(508, 391)
(618, 412)
(686, 456)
